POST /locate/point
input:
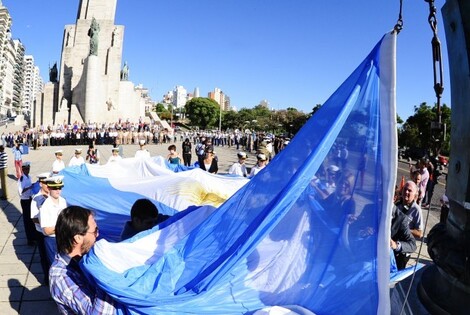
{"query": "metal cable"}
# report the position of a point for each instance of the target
(399, 26)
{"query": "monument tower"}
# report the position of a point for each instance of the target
(90, 85)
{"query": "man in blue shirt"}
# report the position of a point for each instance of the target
(76, 232)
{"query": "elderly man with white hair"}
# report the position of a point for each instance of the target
(409, 207)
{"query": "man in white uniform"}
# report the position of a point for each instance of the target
(259, 165)
(58, 164)
(239, 168)
(25, 190)
(115, 155)
(36, 204)
(77, 159)
(142, 152)
(49, 213)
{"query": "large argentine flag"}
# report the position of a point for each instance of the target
(281, 240)
(111, 189)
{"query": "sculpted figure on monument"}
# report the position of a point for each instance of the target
(53, 73)
(115, 35)
(125, 72)
(110, 105)
(93, 32)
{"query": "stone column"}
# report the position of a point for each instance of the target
(95, 100)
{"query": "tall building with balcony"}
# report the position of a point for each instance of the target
(32, 84)
(5, 36)
(18, 77)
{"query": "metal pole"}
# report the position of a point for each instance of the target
(220, 118)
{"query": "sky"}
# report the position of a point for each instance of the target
(292, 53)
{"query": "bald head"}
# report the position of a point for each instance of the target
(409, 193)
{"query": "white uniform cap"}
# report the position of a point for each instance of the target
(261, 157)
(41, 177)
(241, 155)
(142, 142)
(55, 181)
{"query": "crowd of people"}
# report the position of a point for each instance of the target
(126, 132)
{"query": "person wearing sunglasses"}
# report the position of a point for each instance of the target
(76, 232)
(49, 212)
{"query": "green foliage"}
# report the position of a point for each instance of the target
(203, 112)
(417, 130)
(399, 120)
(230, 120)
(160, 108)
(162, 111)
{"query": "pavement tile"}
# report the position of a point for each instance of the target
(12, 293)
(13, 269)
(21, 280)
(11, 308)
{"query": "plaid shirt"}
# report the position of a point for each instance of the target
(73, 293)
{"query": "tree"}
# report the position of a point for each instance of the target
(230, 120)
(202, 112)
(160, 108)
(399, 120)
(418, 131)
(162, 111)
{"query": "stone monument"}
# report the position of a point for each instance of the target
(89, 77)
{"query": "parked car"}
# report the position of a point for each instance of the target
(443, 160)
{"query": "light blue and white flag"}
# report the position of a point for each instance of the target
(309, 233)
